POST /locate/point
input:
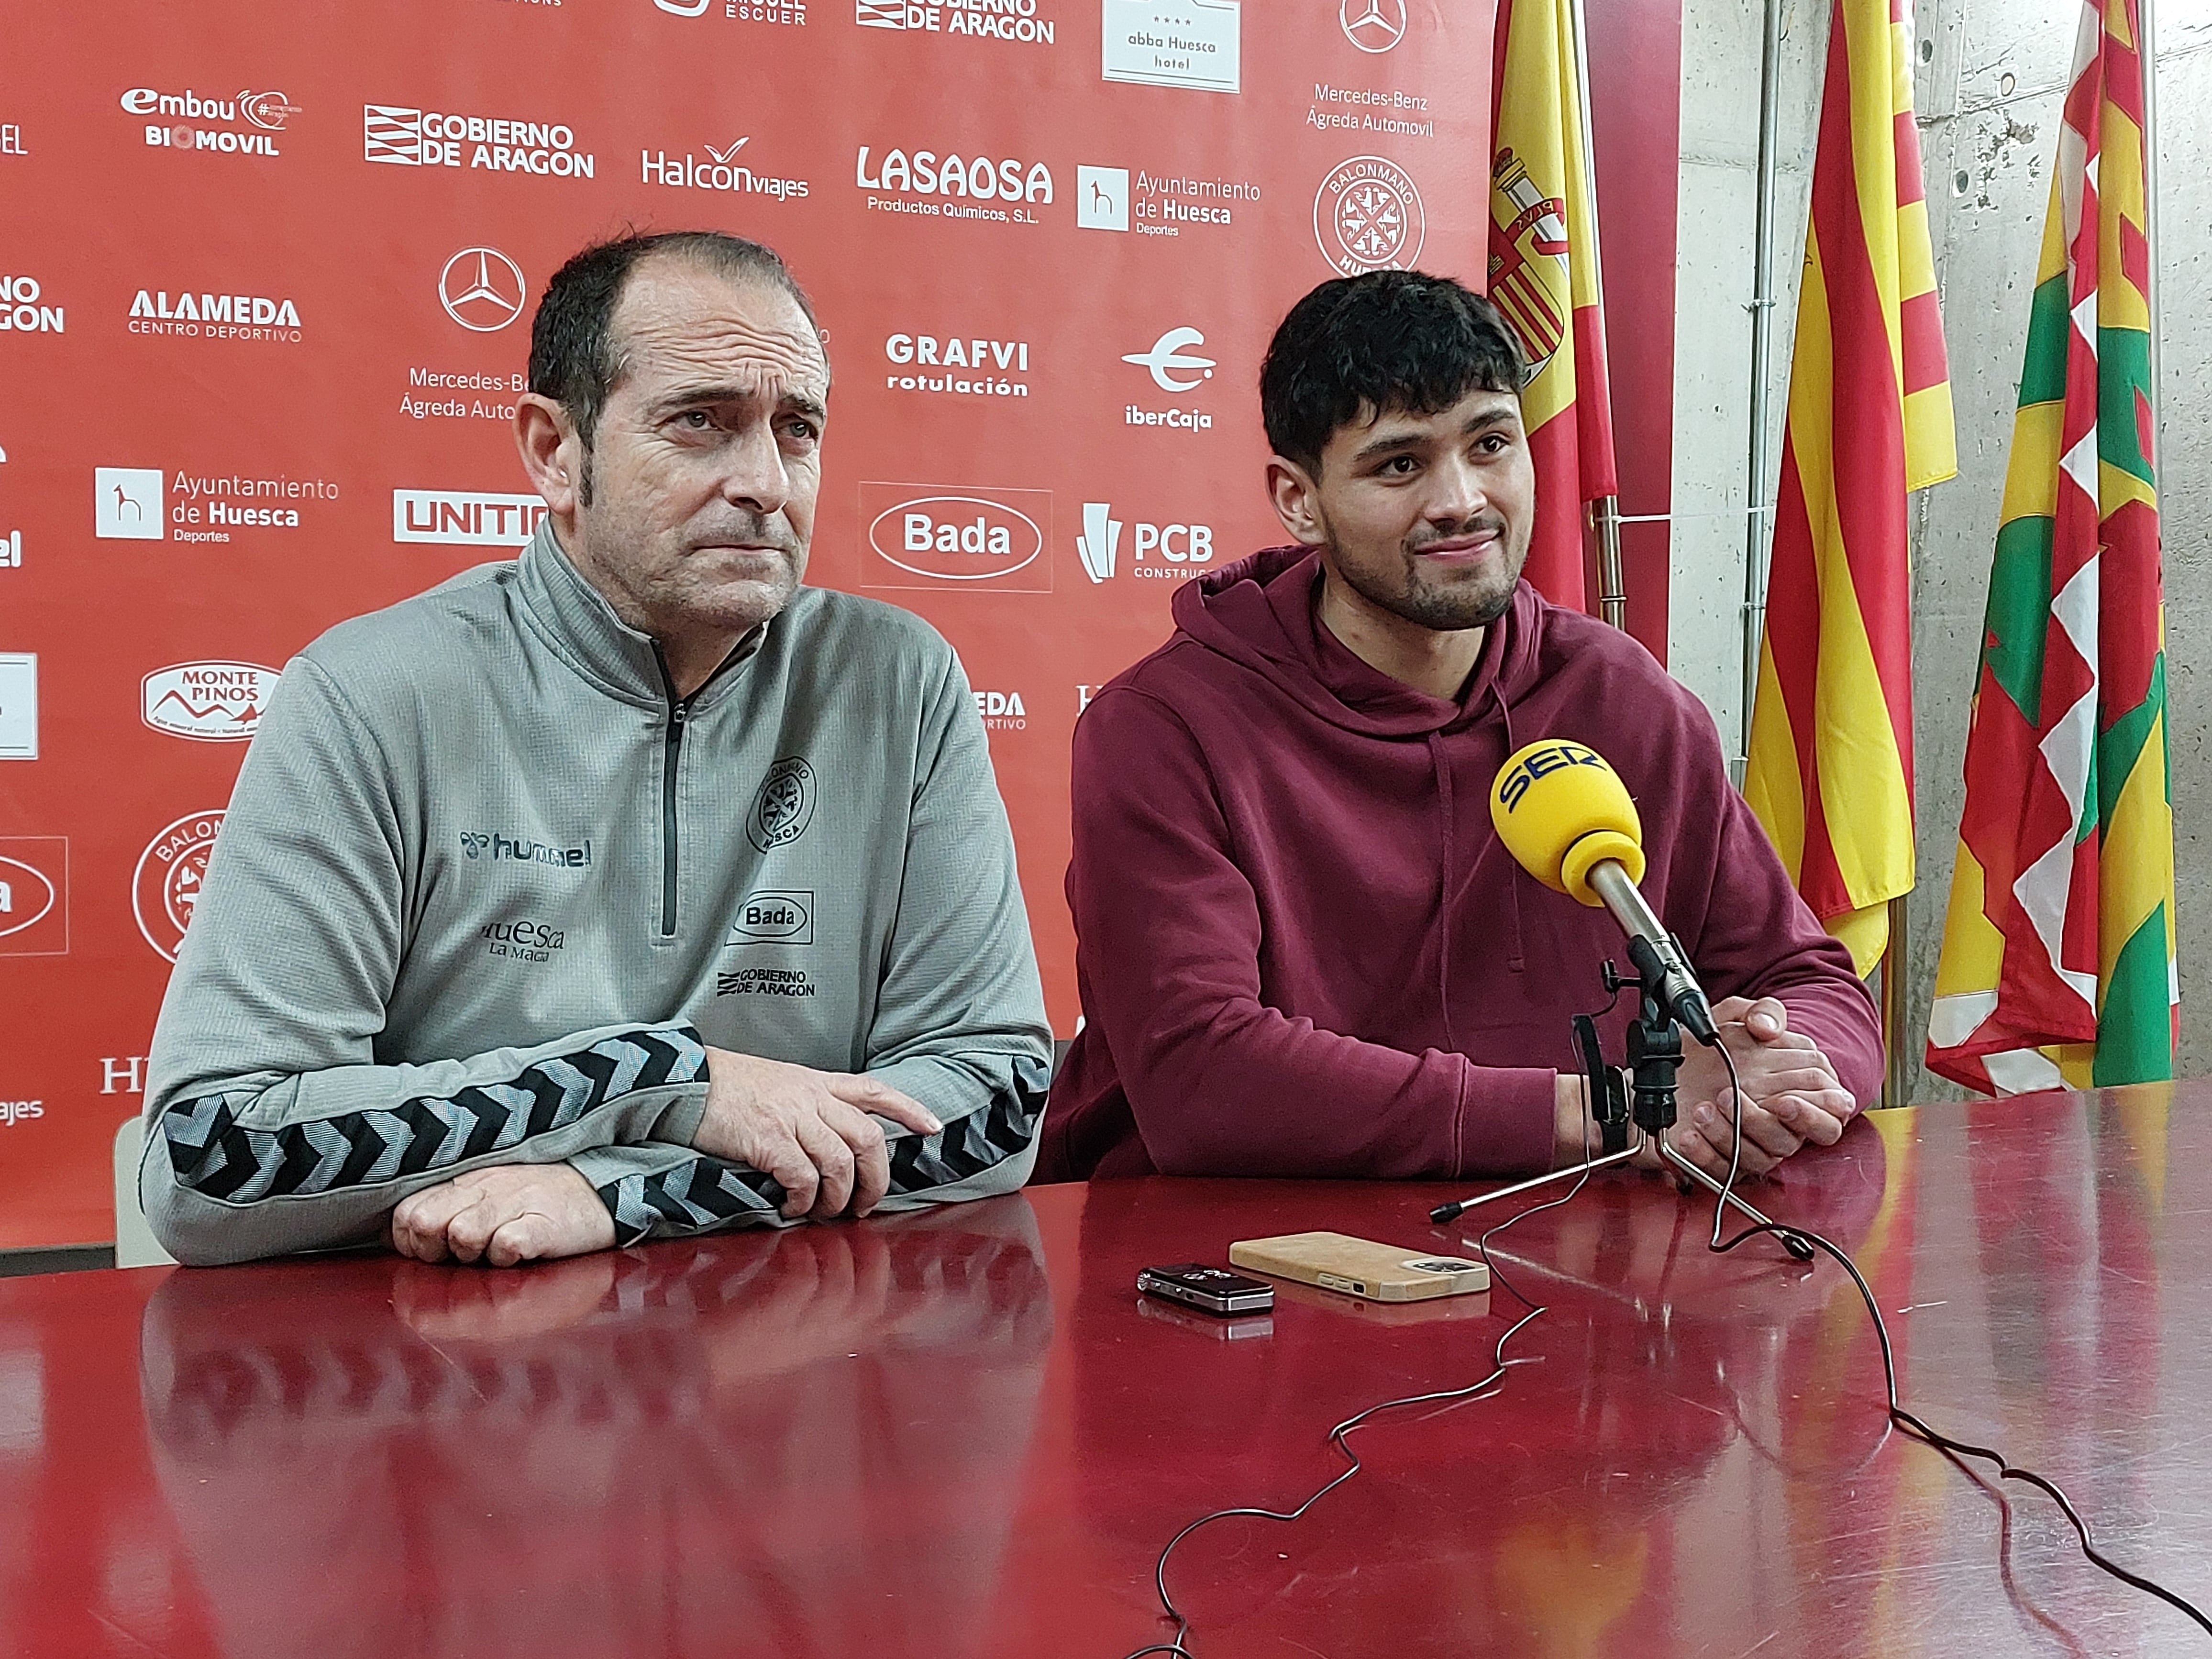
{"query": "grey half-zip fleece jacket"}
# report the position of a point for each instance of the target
(485, 893)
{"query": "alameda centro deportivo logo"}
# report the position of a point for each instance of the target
(970, 536)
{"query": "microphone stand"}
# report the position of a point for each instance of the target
(1655, 1055)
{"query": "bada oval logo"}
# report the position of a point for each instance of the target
(956, 539)
(25, 895)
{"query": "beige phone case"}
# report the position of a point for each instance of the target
(1360, 1267)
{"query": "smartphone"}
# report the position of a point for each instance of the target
(1210, 1289)
(1360, 1267)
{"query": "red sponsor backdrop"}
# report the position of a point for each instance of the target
(267, 279)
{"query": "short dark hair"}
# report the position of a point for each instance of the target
(573, 356)
(1388, 341)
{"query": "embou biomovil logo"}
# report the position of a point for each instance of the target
(165, 887)
(411, 137)
(1011, 21)
(961, 368)
(952, 186)
(785, 806)
(1172, 548)
(246, 125)
(211, 701)
(720, 171)
(34, 896)
(1367, 216)
(521, 850)
(774, 917)
(920, 535)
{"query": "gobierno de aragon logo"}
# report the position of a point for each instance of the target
(165, 888)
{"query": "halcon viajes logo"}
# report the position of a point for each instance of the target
(719, 171)
(165, 887)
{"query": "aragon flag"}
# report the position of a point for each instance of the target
(1829, 767)
(2057, 966)
(1544, 277)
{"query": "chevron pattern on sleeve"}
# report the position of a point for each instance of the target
(705, 1194)
(214, 1155)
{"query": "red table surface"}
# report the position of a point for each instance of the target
(960, 1433)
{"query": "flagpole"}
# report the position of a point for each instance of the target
(2146, 51)
(1758, 521)
(1605, 510)
(1896, 1023)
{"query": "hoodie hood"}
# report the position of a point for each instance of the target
(1259, 613)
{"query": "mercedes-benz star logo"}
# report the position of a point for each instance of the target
(1167, 353)
(482, 289)
(1372, 25)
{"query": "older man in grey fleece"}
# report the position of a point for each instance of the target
(629, 890)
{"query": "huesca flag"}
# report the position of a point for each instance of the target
(1544, 277)
(1829, 767)
(2057, 966)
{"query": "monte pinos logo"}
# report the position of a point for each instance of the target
(959, 536)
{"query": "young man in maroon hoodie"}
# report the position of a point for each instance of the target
(1301, 949)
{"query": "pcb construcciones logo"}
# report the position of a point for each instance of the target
(961, 535)
(166, 886)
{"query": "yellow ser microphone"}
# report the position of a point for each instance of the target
(1567, 819)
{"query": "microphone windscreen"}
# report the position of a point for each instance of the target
(1559, 809)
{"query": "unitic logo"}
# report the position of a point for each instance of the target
(956, 539)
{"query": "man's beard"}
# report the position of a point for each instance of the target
(1447, 606)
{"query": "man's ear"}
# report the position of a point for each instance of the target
(550, 452)
(1297, 501)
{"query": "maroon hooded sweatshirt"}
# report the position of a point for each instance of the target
(1302, 950)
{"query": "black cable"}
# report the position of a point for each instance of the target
(1954, 1449)
(1336, 1436)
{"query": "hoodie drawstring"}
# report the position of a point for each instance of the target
(1516, 955)
(1442, 769)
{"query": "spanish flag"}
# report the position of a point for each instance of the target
(1830, 769)
(1544, 277)
(2057, 966)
